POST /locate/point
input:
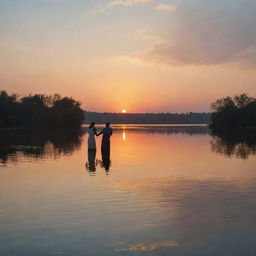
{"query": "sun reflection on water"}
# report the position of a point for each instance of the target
(124, 135)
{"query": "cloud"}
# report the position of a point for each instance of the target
(206, 32)
(146, 34)
(116, 3)
(150, 247)
(95, 11)
(127, 2)
(164, 7)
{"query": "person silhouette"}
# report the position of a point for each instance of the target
(91, 138)
(107, 132)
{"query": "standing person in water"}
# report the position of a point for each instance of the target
(107, 132)
(91, 138)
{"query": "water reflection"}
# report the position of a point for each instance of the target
(161, 129)
(37, 144)
(123, 135)
(105, 153)
(17, 145)
(207, 217)
(104, 163)
(168, 194)
(240, 144)
(91, 165)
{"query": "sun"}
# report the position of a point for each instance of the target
(123, 110)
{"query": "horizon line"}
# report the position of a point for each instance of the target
(155, 113)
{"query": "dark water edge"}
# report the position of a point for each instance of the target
(240, 141)
(40, 143)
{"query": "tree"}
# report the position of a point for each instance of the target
(39, 110)
(66, 112)
(34, 110)
(8, 107)
(224, 104)
(239, 111)
(243, 100)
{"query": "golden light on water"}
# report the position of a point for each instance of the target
(124, 135)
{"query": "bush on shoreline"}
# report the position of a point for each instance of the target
(39, 110)
(234, 112)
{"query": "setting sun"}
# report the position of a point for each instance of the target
(123, 110)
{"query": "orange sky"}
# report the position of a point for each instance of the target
(138, 55)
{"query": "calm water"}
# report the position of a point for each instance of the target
(165, 191)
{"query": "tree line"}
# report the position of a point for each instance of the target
(147, 118)
(39, 110)
(234, 112)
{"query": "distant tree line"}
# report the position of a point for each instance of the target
(147, 118)
(39, 110)
(234, 112)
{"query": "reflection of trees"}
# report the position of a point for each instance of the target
(239, 143)
(37, 144)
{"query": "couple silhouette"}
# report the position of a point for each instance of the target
(105, 147)
(106, 132)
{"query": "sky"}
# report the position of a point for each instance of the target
(138, 55)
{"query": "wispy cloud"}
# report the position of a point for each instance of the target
(146, 34)
(208, 33)
(97, 10)
(115, 3)
(127, 2)
(164, 7)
